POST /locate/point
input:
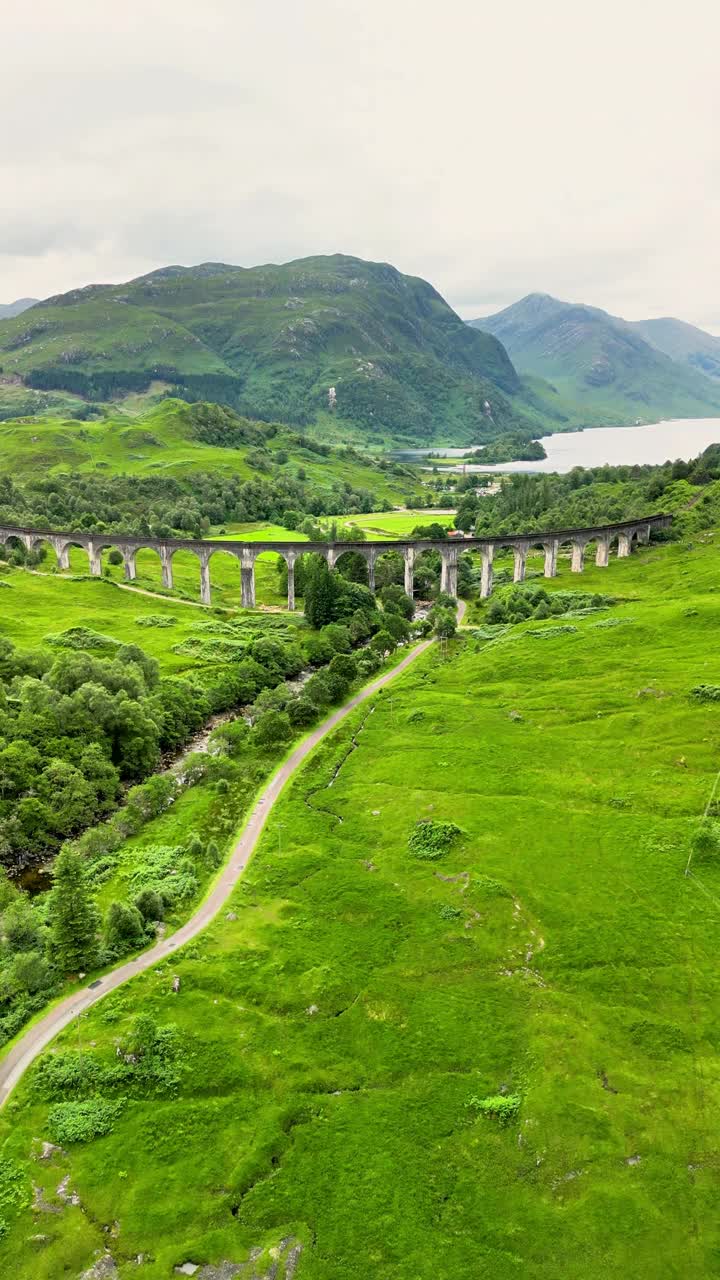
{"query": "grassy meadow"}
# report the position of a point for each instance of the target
(501, 1063)
(394, 524)
(34, 606)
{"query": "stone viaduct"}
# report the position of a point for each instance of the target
(603, 536)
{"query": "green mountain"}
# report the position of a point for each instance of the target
(600, 367)
(684, 343)
(347, 347)
(10, 309)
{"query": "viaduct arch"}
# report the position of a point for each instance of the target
(625, 533)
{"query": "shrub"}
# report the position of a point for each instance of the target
(491, 888)
(82, 638)
(502, 1107)
(150, 905)
(548, 632)
(124, 928)
(83, 1121)
(65, 1072)
(272, 729)
(155, 620)
(430, 839)
(705, 842)
(194, 846)
(13, 1189)
(343, 665)
(301, 713)
(706, 693)
(155, 1053)
(167, 871)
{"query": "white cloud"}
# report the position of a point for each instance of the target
(494, 149)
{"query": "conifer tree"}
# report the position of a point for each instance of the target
(321, 594)
(73, 915)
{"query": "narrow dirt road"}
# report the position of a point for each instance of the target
(35, 1039)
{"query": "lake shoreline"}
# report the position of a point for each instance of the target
(646, 444)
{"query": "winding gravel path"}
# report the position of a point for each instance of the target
(38, 1036)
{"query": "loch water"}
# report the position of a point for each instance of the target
(600, 446)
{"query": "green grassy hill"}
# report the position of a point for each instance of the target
(601, 370)
(180, 440)
(501, 1062)
(272, 341)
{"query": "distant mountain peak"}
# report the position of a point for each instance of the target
(619, 369)
(684, 343)
(10, 309)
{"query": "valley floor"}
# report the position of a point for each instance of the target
(341, 1023)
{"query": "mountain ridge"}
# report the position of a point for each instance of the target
(332, 342)
(599, 361)
(683, 342)
(10, 309)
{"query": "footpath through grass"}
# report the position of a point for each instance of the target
(347, 1028)
(35, 606)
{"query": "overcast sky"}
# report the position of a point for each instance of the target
(494, 147)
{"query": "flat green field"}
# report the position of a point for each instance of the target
(262, 532)
(342, 1026)
(396, 524)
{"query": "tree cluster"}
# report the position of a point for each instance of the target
(585, 496)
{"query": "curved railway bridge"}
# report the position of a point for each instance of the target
(604, 537)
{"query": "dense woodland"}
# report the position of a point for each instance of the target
(591, 495)
(162, 506)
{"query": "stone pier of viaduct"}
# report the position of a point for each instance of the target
(604, 537)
